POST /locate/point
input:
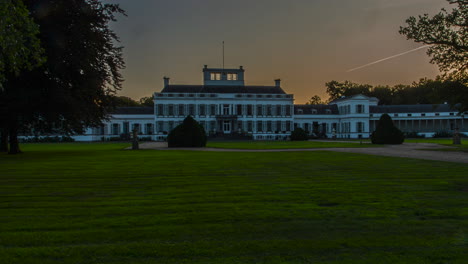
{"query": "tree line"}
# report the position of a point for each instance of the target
(425, 91)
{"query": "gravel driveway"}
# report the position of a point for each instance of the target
(405, 150)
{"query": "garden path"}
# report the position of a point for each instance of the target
(405, 150)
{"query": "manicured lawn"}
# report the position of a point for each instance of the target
(284, 144)
(96, 203)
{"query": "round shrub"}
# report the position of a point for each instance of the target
(188, 134)
(299, 134)
(387, 132)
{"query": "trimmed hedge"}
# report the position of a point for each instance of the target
(188, 134)
(299, 134)
(387, 132)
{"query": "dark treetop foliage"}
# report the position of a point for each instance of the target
(188, 134)
(447, 33)
(387, 132)
(299, 134)
(426, 91)
(72, 89)
(19, 46)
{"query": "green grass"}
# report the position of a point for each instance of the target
(96, 203)
(283, 144)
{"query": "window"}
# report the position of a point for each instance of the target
(269, 126)
(288, 111)
(126, 127)
(249, 126)
(202, 111)
(215, 76)
(314, 111)
(212, 110)
(409, 114)
(226, 109)
(300, 111)
(171, 110)
(278, 126)
(181, 110)
(269, 110)
(160, 110)
(328, 111)
(249, 110)
(115, 129)
(423, 114)
(239, 110)
(288, 125)
(149, 129)
(259, 110)
(232, 76)
(192, 110)
(136, 127)
(360, 127)
(278, 110)
(395, 115)
(260, 126)
(160, 127)
(359, 109)
(452, 114)
(437, 114)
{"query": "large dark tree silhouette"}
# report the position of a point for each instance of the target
(73, 89)
(447, 33)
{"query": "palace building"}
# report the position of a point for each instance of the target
(225, 106)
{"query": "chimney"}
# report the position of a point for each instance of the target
(166, 81)
(278, 82)
(241, 67)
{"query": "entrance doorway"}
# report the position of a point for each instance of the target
(227, 127)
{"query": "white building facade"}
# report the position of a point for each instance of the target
(228, 108)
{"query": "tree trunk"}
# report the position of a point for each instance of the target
(3, 140)
(14, 144)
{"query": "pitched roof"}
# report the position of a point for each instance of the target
(222, 89)
(134, 110)
(422, 108)
(320, 109)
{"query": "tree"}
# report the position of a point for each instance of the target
(147, 101)
(188, 134)
(124, 101)
(447, 33)
(19, 50)
(315, 100)
(73, 89)
(299, 134)
(386, 132)
(19, 45)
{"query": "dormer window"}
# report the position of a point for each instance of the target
(232, 76)
(215, 76)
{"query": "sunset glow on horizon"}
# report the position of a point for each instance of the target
(305, 43)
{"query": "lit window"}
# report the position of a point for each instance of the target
(232, 76)
(215, 76)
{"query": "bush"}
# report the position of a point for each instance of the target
(47, 139)
(442, 134)
(299, 134)
(414, 134)
(188, 134)
(387, 132)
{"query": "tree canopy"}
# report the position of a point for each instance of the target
(315, 100)
(73, 89)
(19, 45)
(447, 33)
(425, 91)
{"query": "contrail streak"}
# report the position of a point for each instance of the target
(388, 58)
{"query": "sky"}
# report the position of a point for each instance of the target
(305, 43)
